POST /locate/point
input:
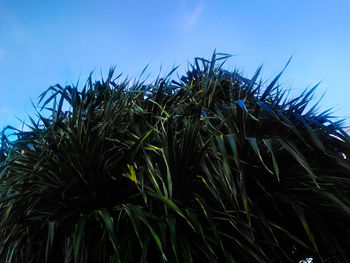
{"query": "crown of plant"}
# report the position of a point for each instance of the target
(212, 167)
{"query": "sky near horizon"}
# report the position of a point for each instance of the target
(43, 43)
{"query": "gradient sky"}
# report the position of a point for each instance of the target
(47, 42)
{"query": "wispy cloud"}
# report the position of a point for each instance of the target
(191, 17)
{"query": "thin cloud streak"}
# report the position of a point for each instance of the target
(192, 17)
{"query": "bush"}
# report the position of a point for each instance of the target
(212, 167)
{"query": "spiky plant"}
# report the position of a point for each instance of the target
(213, 167)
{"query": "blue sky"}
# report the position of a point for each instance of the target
(47, 42)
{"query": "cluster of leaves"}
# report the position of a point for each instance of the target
(213, 167)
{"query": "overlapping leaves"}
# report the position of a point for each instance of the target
(213, 167)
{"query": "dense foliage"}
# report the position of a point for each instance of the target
(212, 167)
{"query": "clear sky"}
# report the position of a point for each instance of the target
(47, 42)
